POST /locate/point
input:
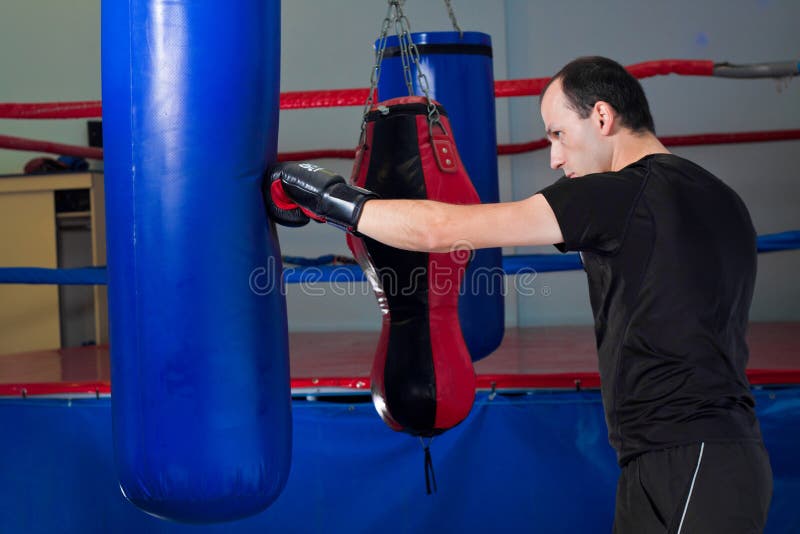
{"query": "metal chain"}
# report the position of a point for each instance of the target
(409, 53)
(453, 20)
(402, 30)
(375, 73)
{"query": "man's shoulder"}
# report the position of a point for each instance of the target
(627, 177)
(671, 163)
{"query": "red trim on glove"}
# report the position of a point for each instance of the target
(313, 215)
(280, 198)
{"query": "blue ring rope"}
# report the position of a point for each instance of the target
(313, 270)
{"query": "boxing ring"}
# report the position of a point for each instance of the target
(532, 451)
(532, 454)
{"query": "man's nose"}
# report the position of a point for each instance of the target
(556, 158)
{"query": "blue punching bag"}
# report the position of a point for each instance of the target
(199, 354)
(459, 72)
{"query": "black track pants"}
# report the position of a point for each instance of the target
(702, 488)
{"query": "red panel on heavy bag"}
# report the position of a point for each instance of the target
(422, 378)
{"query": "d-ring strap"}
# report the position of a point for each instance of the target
(443, 148)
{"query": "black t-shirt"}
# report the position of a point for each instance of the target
(670, 254)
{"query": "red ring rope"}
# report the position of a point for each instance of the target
(539, 144)
(17, 143)
(355, 97)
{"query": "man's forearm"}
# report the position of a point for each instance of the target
(405, 224)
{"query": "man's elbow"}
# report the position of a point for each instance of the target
(422, 239)
(436, 235)
(431, 228)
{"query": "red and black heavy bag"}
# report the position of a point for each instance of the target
(422, 377)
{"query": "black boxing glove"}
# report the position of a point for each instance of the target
(319, 193)
(280, 207)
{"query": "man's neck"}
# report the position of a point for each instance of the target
(631, 147)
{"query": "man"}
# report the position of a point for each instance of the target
(670, 254)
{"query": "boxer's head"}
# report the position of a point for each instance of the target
(588, 108)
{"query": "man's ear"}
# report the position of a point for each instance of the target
(605, 117)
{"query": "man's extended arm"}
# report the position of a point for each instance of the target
(430, 226)
(421, 225)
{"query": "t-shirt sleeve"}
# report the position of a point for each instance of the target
(593, 211)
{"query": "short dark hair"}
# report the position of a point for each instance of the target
(590, 79)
